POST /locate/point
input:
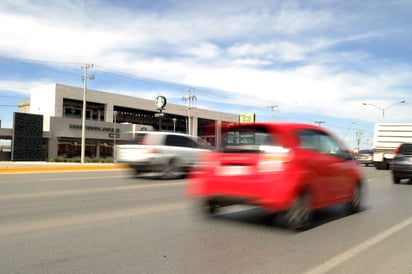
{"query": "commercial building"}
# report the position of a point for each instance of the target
(110, 118)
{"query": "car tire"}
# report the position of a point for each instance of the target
(210, 208)
(356, 202)
(171, 170)
(396, 180)
(299, 216)
(136, 173)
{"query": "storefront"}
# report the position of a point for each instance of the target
(100, 137)
(110, 118)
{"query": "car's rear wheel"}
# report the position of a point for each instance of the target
(172, 169)
(355, 204)
(396, 180)
(299, 215)
(210, 208)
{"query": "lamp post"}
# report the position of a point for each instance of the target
(402, 101)
(114, 135)
(174, 124)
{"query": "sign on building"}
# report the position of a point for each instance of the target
(247, 118)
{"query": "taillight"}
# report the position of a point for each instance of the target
(397, 149)
(151, 150)
(207, 159)
(274, 158)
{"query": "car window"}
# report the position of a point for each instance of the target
(138, 139)
(151, 139)
(318, 141)
(249, 136)
(405, 149)
(180, 141)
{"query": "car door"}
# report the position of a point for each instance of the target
(325, 165)
(338, 164)
(182, 148)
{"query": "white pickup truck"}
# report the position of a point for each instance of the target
(167, 153)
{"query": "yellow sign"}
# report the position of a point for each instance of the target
(247, 118)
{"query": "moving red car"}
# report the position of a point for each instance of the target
(288, 168)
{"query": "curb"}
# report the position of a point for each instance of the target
(56, 168)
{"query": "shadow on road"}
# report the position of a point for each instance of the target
(258, 217)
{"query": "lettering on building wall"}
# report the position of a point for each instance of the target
(94, 128)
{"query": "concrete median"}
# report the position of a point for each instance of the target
(32, 167)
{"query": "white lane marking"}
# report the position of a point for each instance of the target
(70, 221)
(356, 250)
(74, 192)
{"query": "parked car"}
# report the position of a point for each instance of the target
(167, 153)
(365, 157)
(402, 163)
(286, 168)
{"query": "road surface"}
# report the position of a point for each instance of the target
(108, 222)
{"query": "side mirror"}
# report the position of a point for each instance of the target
(346, 155)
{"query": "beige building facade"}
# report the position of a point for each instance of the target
(111, 118)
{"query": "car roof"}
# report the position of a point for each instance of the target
(287, 130)
(282, 125)
(159, 133)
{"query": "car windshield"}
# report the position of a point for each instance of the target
(405, 149)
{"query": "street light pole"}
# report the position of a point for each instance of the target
(174, 124)
(402, 101)
(84, 78)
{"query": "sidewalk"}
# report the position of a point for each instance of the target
(30, 167)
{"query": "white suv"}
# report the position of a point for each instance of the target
(170, 154)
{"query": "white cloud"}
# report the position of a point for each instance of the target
(301, 56)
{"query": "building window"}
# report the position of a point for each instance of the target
(73, 109)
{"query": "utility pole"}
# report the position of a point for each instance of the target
(85, 77)
(189, 99)
(320, 122)
(350, 125)
(273, 111)
(358, 137)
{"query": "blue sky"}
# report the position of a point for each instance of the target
(315, 60)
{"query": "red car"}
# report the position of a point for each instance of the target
(287, 168)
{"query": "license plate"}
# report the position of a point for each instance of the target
(234, 170)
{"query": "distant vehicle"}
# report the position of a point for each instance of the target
(287, 168)
(166, 153)
(402, 163)
(365, 157)
(387, 137)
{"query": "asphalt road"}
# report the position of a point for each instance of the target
(108, 222)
